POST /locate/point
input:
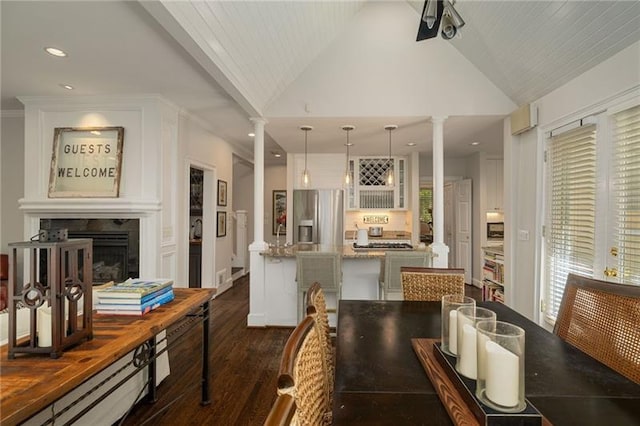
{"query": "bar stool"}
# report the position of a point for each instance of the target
(389, 281)
(322, 267)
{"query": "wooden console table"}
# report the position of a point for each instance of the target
(32, 382)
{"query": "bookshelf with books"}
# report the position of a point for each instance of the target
(493, 274)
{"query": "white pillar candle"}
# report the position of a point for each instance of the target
(467, 360)
(44, 327)
(482, 355)
(502, 375)
(453, 332)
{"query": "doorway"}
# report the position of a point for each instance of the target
(200, 225)
(457, 225)
(196, 194)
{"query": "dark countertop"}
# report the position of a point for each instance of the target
(386, 235)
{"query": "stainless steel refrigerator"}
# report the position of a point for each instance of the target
(318, 216)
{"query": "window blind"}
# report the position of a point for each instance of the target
(626, 193)
(570, 212)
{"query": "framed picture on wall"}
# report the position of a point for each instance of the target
(222, 193)
(280, 211)
(86, 162)
(221, 227)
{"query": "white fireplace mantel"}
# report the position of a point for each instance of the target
(96, 207)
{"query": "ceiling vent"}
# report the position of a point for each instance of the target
(523, 119)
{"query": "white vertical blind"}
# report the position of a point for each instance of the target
(570, 213)
(625, 182)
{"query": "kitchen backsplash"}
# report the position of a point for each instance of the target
(397, 220)
(386, 235)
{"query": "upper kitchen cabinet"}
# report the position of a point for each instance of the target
(371, 190)
(494, 184)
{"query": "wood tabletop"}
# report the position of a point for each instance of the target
(31, 382)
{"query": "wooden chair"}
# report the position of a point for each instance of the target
(431, 284)
(389, 281)
(302, 374)
(602, 319)
(317, 308)
(322, 267)
(283, 412)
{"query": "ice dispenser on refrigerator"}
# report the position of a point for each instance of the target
(317, 216)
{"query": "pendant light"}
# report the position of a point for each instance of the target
(347, 171)
(305, 172)
(390, 178)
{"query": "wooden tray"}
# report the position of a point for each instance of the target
(457, 393)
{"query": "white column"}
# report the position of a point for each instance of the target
(439, 248)
(257, 291)
(258, 179)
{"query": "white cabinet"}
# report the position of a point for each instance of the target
(494, 184)
(370, 189)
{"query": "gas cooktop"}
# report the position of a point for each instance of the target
(383, 246)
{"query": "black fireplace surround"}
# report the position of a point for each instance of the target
(116, 245)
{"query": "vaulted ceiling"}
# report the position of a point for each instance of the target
(315, 62)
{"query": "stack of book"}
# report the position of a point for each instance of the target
(134, 296)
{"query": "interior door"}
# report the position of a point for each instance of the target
(463, 211)
(449, 222)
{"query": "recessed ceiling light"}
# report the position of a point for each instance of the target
(411, 144)
(55, 52)
(475, 143)
(67, 86)
(251, 135)
(277, 154)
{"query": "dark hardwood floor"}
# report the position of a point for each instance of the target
(244, 365)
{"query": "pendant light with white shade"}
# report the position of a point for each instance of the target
(305, 172)
(390, 180)
(348, 179)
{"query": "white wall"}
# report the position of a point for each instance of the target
(384, 72)
(202, 148)
(11, 178)
(453, 168)
(586, 93)
(243, 194)
(147, 185)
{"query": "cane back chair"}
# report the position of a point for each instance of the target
(602, 319)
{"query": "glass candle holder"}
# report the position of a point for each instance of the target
(467, 318)
(500, 383)
(449, 329)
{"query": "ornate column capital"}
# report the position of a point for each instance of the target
(258, 120)
(438, 119)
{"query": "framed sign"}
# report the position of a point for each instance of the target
(280, 211)
(86, 162)
(221, 228)
(222, 193)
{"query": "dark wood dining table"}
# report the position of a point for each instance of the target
(380, 380)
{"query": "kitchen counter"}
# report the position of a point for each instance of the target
(347, 251)
(360, 276)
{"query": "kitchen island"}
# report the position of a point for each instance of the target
(360, 273)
